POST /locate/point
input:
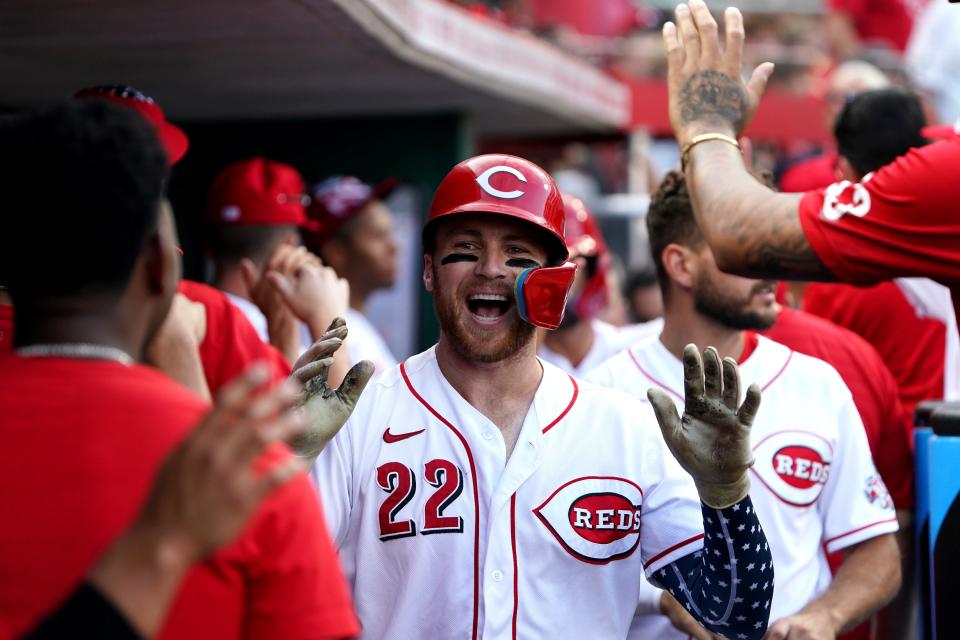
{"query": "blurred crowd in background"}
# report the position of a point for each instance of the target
(907, 41)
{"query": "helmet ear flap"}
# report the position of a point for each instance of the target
(542, 292)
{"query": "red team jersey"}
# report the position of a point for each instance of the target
(873, 388)
(811, 173)
(903, 220)
(82, 440)
(883, 316)
(231, 344)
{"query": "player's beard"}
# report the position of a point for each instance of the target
(474, 343)
(709, 301)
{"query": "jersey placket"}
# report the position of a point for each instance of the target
(499, 580)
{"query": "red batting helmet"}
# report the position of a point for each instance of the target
(584, 240)
(503, 185)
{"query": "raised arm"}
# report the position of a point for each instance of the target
(728, 585)
(752, 230)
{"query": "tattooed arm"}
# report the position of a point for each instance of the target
(751, 230)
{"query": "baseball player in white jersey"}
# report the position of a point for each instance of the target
(815, 486)
(583, 341)
(480, 492)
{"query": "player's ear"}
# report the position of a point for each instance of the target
(846, 170)
(428, 272)
(680, 264)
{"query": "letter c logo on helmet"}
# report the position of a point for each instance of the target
(484, 181)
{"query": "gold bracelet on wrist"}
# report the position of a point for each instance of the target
(703, 137)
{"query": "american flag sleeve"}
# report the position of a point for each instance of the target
(727, 586)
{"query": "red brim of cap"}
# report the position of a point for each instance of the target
(174, 142)
(939, 132)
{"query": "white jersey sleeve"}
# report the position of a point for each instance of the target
(672, 522)
(334, 472)
(855, 505)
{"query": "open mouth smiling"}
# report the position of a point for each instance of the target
(488, 308)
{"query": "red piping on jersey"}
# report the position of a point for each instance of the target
(576, 392)
(672, 549)
(476, 497)
(650, 377)
(516, 570)
(782, 369)
(850, 533)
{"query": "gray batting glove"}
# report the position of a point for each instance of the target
(712, 440)
(326, 409)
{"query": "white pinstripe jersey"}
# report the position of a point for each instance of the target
(442, 536)
(814, 483)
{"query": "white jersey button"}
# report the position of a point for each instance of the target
(498, 575)
(488, 435)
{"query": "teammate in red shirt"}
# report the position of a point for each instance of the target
(873, 129)
(85, 428)
(903, 220)
(911, 345)
(231, 344)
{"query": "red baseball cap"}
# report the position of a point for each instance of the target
(336, 200)
(259, 191)
(174, 140)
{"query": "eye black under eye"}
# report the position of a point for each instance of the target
(523, 263)
(459, 257)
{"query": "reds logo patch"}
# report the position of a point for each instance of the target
(596, 519)
(794, 465)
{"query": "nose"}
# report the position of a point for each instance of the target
(492, 265)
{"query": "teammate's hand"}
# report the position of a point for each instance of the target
(706, 91)
(175, 348)
(314, 292)
(802, 626)
(283, 326)
(712, 441)
(208, 488)
(681, 619)
(326, 409)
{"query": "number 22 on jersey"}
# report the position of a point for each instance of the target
(400, 484)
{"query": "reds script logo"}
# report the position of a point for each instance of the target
(846, 198)
(484, 181)
(596, 519)
(794, 465)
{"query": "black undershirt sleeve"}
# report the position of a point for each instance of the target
(86, 613)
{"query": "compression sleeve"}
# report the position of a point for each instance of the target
(727, 586)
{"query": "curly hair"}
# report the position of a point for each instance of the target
(82, 185)
(670, 221)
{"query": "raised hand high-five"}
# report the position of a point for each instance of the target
(712, 440)
(326, 409)
(707, 92)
